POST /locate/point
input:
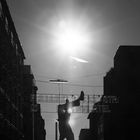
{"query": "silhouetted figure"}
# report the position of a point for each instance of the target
(64, 117)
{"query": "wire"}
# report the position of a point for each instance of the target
(84, 85)
(89, 75)
(42, 81)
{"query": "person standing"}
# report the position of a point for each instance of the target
(64, 117)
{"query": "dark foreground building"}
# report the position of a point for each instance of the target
(20, 116)
(96, 130)
(96, 121)
(33, 123)
(119, 119)
(123, 81)
(11, 90)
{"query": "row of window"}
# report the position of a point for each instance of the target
(8, 28)
(10, 112)
(0, 9)
(10, 73)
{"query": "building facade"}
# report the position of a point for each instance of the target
(11, 62)
(96, 123)
(122, 81)
(33, 122)
(20, 115)
(40, 132)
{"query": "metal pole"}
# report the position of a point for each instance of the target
(33, 124)
(88, 103)
(59, 91)
(56, 134)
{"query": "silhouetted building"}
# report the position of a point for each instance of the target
(110, 119)
(28, 85)
(33, 122)
(40, 132)
(122, 81)
(96, 121)
(95, 131)
(18, 106)
(85, 134)
(11, 62)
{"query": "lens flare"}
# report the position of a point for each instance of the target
(69, 110)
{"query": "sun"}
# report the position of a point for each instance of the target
(70, 37)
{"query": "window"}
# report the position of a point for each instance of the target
(6, 24)
(17, 50)
(0, 10)
(12, 39)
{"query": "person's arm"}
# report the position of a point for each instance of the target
(77, 101)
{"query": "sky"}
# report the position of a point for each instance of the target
(106, 23)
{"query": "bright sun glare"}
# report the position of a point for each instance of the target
(70, 37)
(70, 110)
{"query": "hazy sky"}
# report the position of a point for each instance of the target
(108, 23)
